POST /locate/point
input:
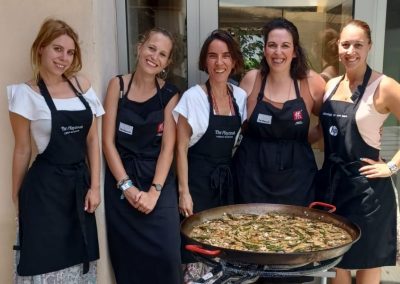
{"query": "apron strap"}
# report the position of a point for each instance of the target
(232, 97)
(122, 92)
(160, 97)
(222, 181)
(80, 193)
(359, 91)
(129, 85)
(234, 103)
(77, 93)
(45, 93)
(261, 92)
(121, 86)
(296, 88)
(72, 86)
(208, 87)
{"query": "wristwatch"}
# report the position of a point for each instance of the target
(157, 186)
(392, 167)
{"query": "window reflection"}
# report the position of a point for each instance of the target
(391, 67)
(317, 24)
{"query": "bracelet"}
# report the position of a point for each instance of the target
(122, 181)
(125, 185)
(392, 167)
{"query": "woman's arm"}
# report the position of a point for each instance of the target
(22, 153)
(148, 200)
(386, 100)
(316, 85)
(247, 83)
(184, 132)
(251, 85)
(92, 199)
(113, 159)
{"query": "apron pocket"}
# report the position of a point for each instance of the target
(356, 197)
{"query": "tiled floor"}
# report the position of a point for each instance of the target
(391, 275)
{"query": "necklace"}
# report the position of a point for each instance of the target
(214, 101)
(215, 105)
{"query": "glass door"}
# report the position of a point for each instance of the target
(318, 23)
(391, 67)
(138, 16)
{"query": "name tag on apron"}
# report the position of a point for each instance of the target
(125, 128)
(264, 118)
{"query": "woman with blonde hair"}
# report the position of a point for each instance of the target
(57, 195)
(140, 189)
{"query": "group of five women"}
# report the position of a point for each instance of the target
(146, 121)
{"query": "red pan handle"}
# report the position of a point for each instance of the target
(199, 249)
(322, 204)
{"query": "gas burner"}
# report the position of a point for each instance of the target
(224, 272)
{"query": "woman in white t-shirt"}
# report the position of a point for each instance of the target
(57, 195)
(209, 119)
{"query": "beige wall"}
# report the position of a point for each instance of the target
(20, 20)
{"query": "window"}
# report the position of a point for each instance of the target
(168, 14)
(318, 25)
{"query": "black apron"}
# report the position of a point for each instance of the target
(209, 163)
(143, 248)
(54, 230)
(209, 160)
(274, 162)
(370, 203)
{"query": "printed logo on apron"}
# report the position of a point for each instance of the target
(264, 118)
(224, 134)
(160, 129)
(125, 128)
(333, 130)
(66, 130)
(298, 117)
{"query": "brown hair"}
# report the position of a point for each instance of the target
(233, 48)
(329, 38)
(299, 66)
(49, 31)
(362, 25)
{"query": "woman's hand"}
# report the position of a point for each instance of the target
(375, 169)
(147, 201)
(92, 200)
(185, 204)
(132, 195)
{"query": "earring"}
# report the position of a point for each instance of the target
(163, 74)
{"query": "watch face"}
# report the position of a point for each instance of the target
(157, 186)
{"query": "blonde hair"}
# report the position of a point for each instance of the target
(49, 31)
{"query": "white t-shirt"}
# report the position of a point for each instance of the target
(23, 100)
(195, 107)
